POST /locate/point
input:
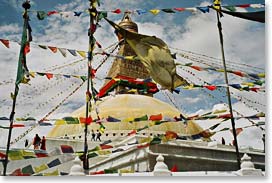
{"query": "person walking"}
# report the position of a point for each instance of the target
(36, 142)
(43, 143)
(98, 135)
(26, 143)
(93, 135)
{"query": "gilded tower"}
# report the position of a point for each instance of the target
(127, 68)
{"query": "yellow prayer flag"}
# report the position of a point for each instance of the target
(54, 173)
(60, 122)
(82, 53)
(219, 111)
(32, 74)
(40, 168)
(128, 119)
(154, 11)
(155, 55)
(144, 140)
(248, 84)
(104, 152)
(261, 75)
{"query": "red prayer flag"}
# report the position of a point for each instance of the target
(244, 6)
(157, 117)
(196, 67)
(66, 149)
(51, 13)
(87, 121)
(18, 125)
(225, 116)
(2, 156)
(238, 73)
(105, 146)
(41, 154)
(53, 49)
(93, 72)
(143, 146)
(179, 9)
(210, 87)
(171, 135)
(49, 75)
(254, 89)
(174, 168)
(132, 132)
(98, 172)
(238, 130)
(117, 11)
(26, 49)
(5, 42)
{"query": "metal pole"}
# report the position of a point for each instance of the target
(92, 11)
(228, 91)
(26, 5)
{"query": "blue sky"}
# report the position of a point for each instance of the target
(244, 43)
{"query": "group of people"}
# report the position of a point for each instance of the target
(38, 143)
(96, 136)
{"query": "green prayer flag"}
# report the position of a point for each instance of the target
(143, 118)
(41, 15)
(168, 10)
(22, 71)
(155, 140)
(92, 155)
(27, 170)
(231, 8)
(101, 15)
(155, 56)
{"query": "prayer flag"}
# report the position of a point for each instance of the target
(86, 120)
(53, 163)
(73, 52)
(41, 15)
(82, 53)
(112, 119)
(66, 149)
(168, 11)
(5, 42)
(171, 135)
(28, 169)
(154, 11)
(42, 46)
(174, 168)
(51, 13)
(105, 146)
(157, 117)
(54, 173)
(155, 56)
(143, 118)
(62, 51)
(140, 12)
(53, 49)
(49, 75)
(204, 9)
(211, 87)
(179, 9)
(40, 168)
(117, 11)
(77, 13)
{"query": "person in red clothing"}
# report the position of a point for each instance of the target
(36, 141)
(43, 146)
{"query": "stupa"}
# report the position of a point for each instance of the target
(133, 98)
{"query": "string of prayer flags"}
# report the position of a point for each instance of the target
(51, 75)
